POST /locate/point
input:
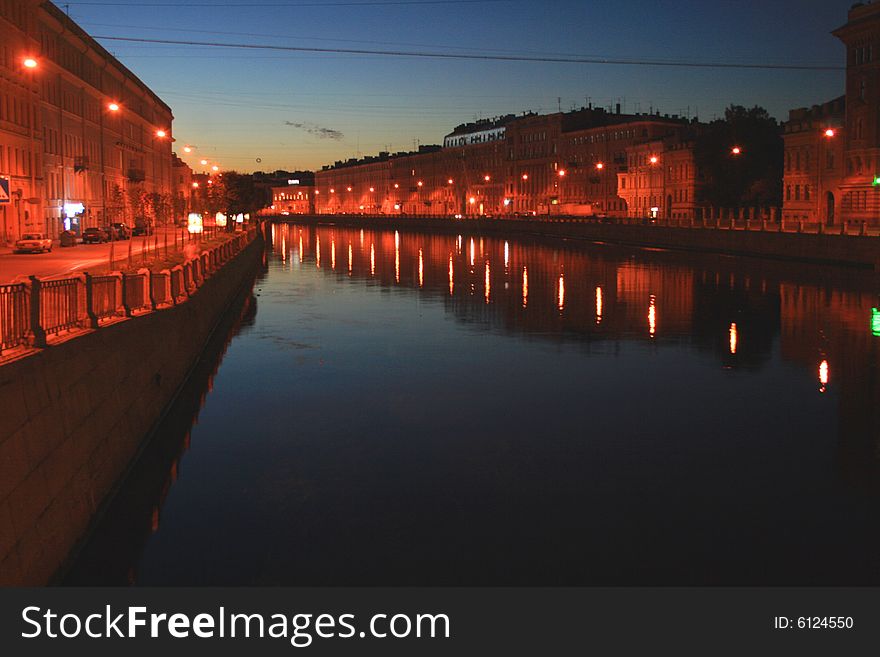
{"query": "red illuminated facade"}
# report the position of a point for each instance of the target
(82, 139)
(293, 199)
(832, 151)
(564, 163)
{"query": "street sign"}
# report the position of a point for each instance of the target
(4, 191)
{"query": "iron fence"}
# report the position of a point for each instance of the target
(14, 315)
(33, 312)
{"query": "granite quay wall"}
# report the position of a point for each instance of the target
(76, 413)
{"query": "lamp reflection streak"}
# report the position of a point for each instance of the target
(488, 283)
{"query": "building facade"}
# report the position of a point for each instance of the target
(84, 142)
(293, 199)
(832, 151)
(564, 163)
(814, 163)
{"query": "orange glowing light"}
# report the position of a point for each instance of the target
(350, 260)
(215, 168)
(525, 287)
(187, 149)
(348, 189)
(734, 338)
(829, 132)
(420, 183)
(506, 255)
(654, 159)
(332, 191)
(450, 181)
(652, 316)
(823, 376)
(525, 176)
(562, 173)
(736, 150)
(195, 184)
(372, 260)
(451, 276)
(161, 134)
(30, 62)
(113, 107)
(332, 254)
(487, 178)
(396, 186)
(560, 299)
(600, 165)
(473, 252)
(204, 163)
(318, 251)
(421, 269)
(472, 200)
(488, 283)
(599, 304)
(372, 189)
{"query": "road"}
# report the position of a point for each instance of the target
(70, 260)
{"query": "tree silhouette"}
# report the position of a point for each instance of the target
(753, 178)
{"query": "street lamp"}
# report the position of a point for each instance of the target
(187, 149)
(215, 168)
(161, 133)
(654, 159)
(113, 107)
(736, 150)
(487, 178)
(829, 133)
(30, 62)
(600, 166)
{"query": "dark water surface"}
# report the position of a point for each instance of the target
(434, 409)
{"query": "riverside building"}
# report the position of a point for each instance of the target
(82, 140)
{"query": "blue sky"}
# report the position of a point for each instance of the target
(302, 110)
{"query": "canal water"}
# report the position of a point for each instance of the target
(404, 408)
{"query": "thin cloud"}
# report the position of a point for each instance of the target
(317, 131)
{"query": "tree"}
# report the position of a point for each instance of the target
(115, 204)
(753, 178)
(137, 203)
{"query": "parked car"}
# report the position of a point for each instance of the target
(68, 238)
(95, 236)
(112, 233)
(123, 232)
(141, 227)
(33, 243)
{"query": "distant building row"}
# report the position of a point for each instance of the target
(597, 162)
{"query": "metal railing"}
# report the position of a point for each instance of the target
(103, 297)
(61, 304)
(14, 315)
(34, 312)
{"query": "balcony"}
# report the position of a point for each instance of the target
(80, 163)
(136, 175)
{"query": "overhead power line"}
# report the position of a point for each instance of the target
(485, 57)
(296, 5)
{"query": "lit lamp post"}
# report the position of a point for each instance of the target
(600, 167)
(30, 64)
(829, 134)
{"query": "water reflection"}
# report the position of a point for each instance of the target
(558, 414)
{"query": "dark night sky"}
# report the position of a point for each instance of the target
(235, 105)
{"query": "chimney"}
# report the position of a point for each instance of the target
(618, 108)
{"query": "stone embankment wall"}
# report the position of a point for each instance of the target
(74, 415)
